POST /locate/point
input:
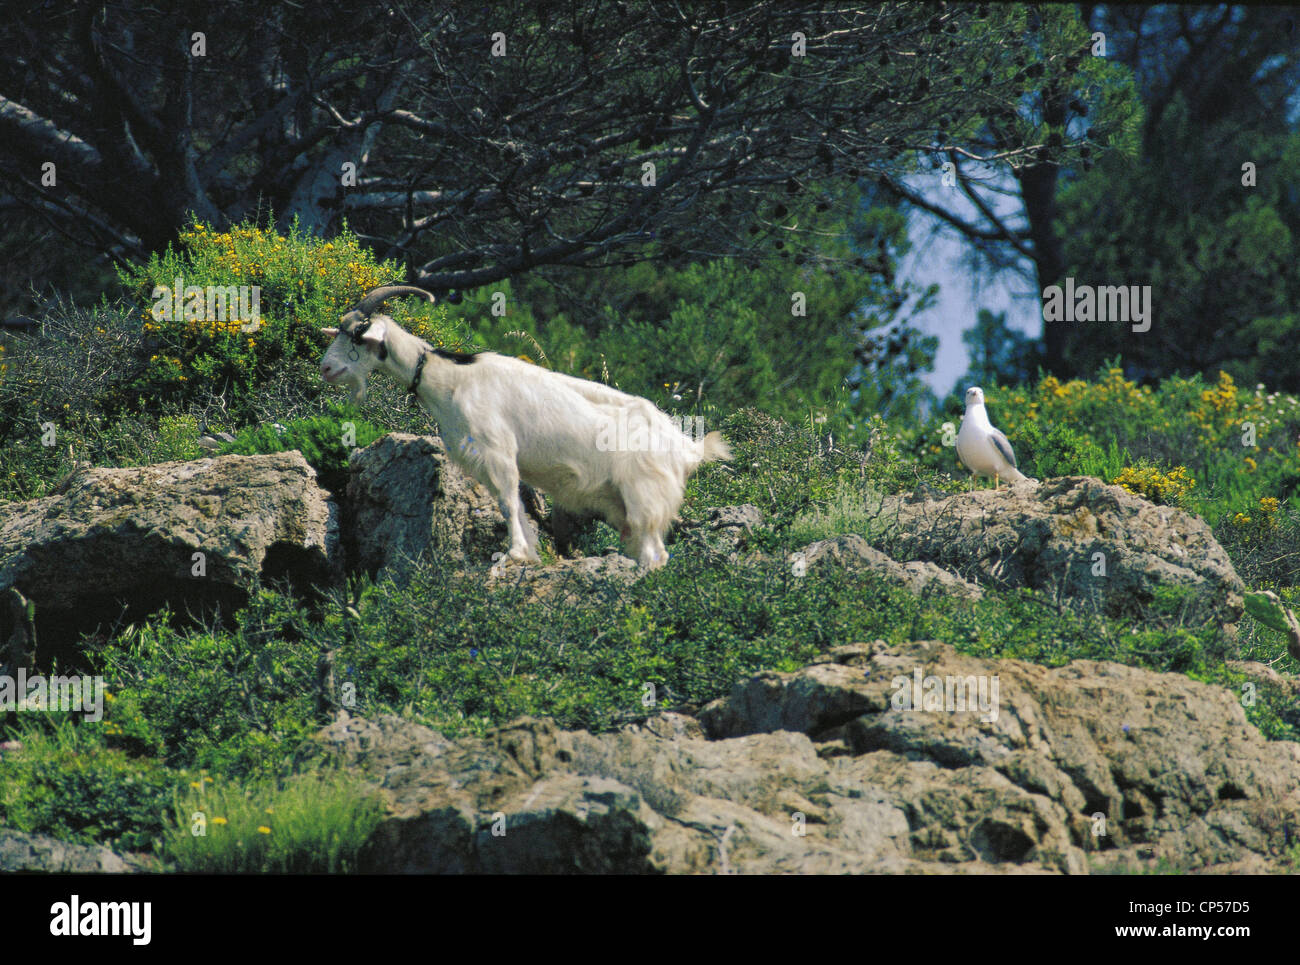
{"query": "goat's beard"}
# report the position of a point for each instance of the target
(356, 388)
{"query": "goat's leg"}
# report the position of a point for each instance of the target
(660, 550)
(644, 526)
(529, 528)
(502, 480)
(643, 544)
(639, 545)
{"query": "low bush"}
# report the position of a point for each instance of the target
(325, 441)
(302, 283)
(66, 782)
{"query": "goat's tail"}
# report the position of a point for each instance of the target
(713, 447)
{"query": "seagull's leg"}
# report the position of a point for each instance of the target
(996, 482)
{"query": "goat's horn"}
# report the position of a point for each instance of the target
(376, 297)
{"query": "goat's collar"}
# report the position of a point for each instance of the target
(419, 370)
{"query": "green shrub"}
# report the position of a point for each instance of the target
(1264, 545)
(780, 468)
(177, 439)
(51, 395)
(851, 510)
(67, 783)
(1055, 451)
(234, 701)
(325, 441)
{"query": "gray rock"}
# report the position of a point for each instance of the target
(214, 441)
(1049, 536)
(406, 499)
(128, 536)
(725, 528)
(23, 852)
(586, 580)
(1157, 755)
(853, 550)
(745, 516)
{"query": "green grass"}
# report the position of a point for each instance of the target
(466, 658)
(309, 824)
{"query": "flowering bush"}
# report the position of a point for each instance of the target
(1170, 488)
(1262, 520)
(294, 285)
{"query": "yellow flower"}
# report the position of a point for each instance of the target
(219, 821)
(263, 829)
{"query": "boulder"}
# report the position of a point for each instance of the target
(1159, 764)
(725, 529)
(111, 538)
(588, 580)
(405, 499)
(1088, 543)
(853, 551)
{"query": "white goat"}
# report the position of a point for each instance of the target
(590, 447)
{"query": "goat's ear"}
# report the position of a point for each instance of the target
(331, 332)
(377, 331)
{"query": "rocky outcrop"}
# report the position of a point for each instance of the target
(406, 499)
(587, 581)
(1085, 767)
(726, 528)
(828, 769)
(22, 852)
(1084, 541)
(113, 536)
(1164, 765)
(193, 534)
(854, 552)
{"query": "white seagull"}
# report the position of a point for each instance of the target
(982, 449)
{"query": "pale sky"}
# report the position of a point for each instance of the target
(940, 258)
